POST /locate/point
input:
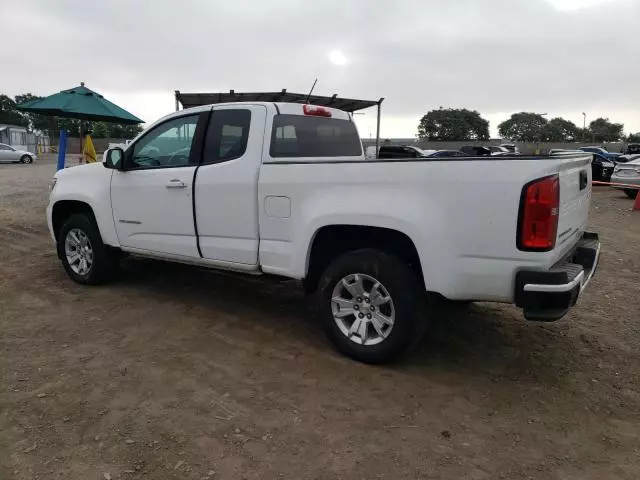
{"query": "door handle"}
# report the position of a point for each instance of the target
(175, 183)
(584, 179)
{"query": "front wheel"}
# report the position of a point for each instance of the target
(26, 159)
(85, 258)
(631, 192)
(371, 306)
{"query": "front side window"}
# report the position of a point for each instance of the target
(307, 136)
(6, 147)
(227, 135)
(167, 145)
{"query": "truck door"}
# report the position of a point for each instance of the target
(226, 184)
(151, 197)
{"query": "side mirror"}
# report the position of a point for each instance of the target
(113, 158)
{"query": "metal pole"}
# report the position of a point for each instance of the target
(62, 147)
(81, 145)
(176, 93)
(378, 130)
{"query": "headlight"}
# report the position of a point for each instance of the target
(54, 180)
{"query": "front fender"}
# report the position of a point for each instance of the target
(89, 184)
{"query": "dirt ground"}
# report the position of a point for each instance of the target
(179, 373)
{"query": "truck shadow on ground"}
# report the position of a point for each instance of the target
(488, 339)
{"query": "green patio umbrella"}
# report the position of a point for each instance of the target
(82, 103)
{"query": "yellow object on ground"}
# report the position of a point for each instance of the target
(88, 150)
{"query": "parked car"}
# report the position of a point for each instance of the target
(8, 154)
(629, 174)
(475, 151)
(601, 151)
(447, 153)
(562, 151)
(627, 158)
(601, 168)
(633, 149)
(403, 151)
(495, 150)
(260, 188)
(511, 147)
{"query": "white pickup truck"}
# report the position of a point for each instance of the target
(284, 189)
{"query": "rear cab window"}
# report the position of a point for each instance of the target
(227, 135)
(296, 136)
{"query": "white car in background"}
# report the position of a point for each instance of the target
(9, 154)
(628, 174)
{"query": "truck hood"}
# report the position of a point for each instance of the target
(86, 170)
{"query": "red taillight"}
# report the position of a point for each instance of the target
(539, 214)
(315, 111)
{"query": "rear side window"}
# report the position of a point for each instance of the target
(227, 135)
(307, 136)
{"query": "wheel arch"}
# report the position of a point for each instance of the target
(63, 209)
(330, 241)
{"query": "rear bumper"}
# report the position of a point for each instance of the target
(549, 295)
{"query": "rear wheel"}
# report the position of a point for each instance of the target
(371, 306)
(85, 258)
(26, 159)
(631, 192)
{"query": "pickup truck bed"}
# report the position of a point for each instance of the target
(284, 189)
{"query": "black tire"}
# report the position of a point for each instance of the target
(26, 159)
(104, 261)
(405, 289)
(631, 192)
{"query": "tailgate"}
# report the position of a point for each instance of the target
(575, 198)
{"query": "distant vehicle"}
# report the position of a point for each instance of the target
(601, 151)
(562, 151)
(601, 168)
(627, 158)
(8, 154)
(448, 154)
(403, 151)
(633, 149)
(475, 150)
(628, 173)
(122, 145)
(511, 147)
(495, 150)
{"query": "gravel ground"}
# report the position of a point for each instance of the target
(179, 373)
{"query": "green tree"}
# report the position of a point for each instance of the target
(561, 130)
(117, 130)
(602, 130)
(36, 121)
(634, 138)
(9, 114)
(453, 124)
(524, 127)
(100, 130)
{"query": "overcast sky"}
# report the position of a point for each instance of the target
(560, 57)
